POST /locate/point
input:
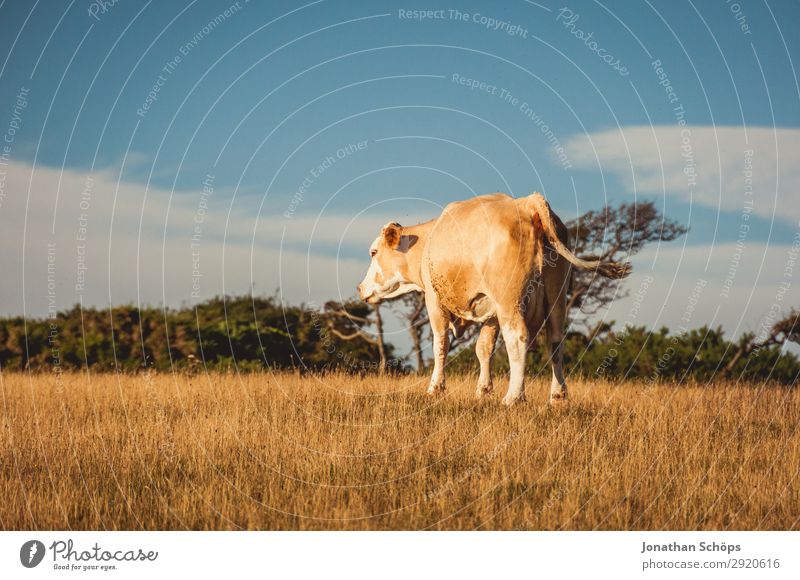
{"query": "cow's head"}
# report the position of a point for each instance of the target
(388, 274)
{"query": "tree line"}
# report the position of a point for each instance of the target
(700, 355)
(244, 332)
(252, 333)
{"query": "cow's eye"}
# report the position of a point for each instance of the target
(372, 253)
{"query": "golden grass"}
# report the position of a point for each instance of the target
(336, 452)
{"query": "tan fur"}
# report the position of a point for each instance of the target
(490, 259)
(541, 208)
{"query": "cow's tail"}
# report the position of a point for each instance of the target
(605, 268)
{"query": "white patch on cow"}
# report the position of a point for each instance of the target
(404, 288)
(369, 285)
(515, 336)
(393, 286)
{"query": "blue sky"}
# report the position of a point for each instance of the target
(262, 95)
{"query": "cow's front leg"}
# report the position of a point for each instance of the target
(515, 336)
(439, 321)
(484, 348)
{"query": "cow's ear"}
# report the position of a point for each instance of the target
(391, 234)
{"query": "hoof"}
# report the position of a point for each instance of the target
(508, 400)
(483, 392)
(435, 391)
(558, 400)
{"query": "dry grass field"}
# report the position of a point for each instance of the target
(337, 452)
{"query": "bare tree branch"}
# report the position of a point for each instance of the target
(612, 234)
(352, 335)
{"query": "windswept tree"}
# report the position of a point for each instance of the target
(413, 313)
(616, 234)
(750, 345)
(347, 321)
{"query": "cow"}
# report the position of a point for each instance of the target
(493, 260)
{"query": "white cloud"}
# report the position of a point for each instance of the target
(157, 267)
(655, 159)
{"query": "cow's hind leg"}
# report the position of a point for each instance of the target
(484, 348)
(439, 321)
(557, 281)
(515, 336)
(558, 385)
(555, 341)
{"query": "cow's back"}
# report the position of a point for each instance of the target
(478, 248)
